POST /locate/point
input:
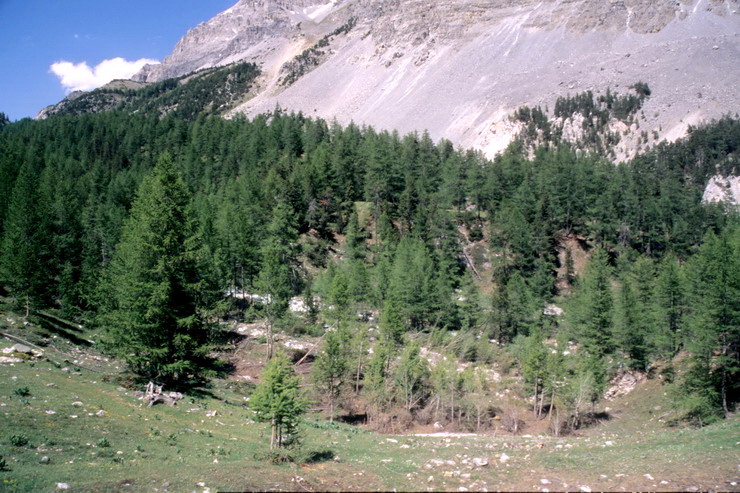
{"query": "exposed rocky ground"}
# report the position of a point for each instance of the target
(459, 69)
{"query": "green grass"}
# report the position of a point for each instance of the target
(130, 447)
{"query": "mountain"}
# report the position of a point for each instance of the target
(459, 69)
(208, 91)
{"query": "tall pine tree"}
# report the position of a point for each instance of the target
(155, 314)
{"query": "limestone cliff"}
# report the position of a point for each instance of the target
(459, 68)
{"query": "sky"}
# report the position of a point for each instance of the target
(50, 47)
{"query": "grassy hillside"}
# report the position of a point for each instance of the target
(70, 407)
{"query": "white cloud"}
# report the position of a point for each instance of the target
(81, 77)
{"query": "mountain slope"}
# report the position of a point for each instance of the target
(459, 69)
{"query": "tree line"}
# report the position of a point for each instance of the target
(140, 223)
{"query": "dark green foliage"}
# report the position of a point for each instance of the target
(595, 112)
(711, 384)
(155, 313)
(26, 264)
(378, 219)
(592, 310)
(670, 306)
(18, 440)
(207, 92)
(22, 392)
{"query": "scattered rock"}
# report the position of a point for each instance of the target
(45, 459)
(77, 404)
(405, 445)
(9, 360)
(648, 476)
(211, 414)
(22, 348)
(391, 440)
(609, 443)
(544, 481)
(62, 486)
(504, 458)
(100, 413)
(624, 383)
(585, 489)
(480, 462)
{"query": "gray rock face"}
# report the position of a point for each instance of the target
(232, 35)
(458, 68)
(724, 189)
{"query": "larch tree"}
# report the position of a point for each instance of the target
(278, 275)
(331, 370)
(278, 400)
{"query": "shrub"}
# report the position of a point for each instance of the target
(19, 440)
(22, 392)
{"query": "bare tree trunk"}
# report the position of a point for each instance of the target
(552, 403)
(359, 368)
(28, 306)
(725, 407)
(542, 403)
(272, 434)
(270, 339)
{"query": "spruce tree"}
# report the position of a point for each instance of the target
(154, 312)
(670, 303)
(594, 310)
(27, 241)
(715, 323)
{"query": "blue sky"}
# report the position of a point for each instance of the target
(34, 34)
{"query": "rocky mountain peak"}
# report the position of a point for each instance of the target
(460, 68)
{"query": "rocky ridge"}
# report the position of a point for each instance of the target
(460, 68)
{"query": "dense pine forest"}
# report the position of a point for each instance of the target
(159, 227)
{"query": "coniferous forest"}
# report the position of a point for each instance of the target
(159, 229)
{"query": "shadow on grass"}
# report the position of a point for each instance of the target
(316, 456)
(57, 327)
